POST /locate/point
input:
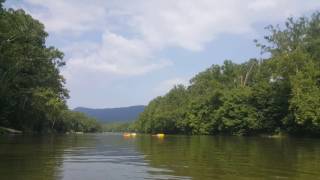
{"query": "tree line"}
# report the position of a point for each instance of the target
(277, 94)
(32, 90)
(118, 127)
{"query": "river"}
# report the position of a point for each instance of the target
(114, 157)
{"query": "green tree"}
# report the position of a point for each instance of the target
(32, 90)
(271, 95)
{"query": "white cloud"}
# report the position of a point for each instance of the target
(116, 55)
(120, 38)
(165, 86)
(68, 16)
(191, 24)
(142, 28)
(183, 23)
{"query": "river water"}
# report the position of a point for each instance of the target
(114, 157)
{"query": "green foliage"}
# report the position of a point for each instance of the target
(71, 121)
(1, 4)
(165, 114)
(305, 101)
(118, 127)
(279, 93)
(31, 88)
(237, 115)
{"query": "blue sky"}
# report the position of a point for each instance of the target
(126, 52)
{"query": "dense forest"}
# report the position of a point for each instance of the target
(32, 90)
(278, 94)
(118, 127)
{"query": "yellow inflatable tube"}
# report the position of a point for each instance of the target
(159, 135)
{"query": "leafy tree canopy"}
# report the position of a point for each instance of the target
(277, 94)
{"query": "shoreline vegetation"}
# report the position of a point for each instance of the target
(32, 91)
(276, 96)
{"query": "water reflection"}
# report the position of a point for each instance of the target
(205, 157)
(24, 157)
(110, 156)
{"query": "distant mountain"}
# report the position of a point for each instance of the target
(122, 114)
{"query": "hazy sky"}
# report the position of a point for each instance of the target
(126, 52)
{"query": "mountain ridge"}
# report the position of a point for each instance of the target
(117, 114)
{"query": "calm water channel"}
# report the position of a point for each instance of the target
(113, 157)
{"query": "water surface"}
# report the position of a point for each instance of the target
(111, 156)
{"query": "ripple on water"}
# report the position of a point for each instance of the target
(111, 162)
